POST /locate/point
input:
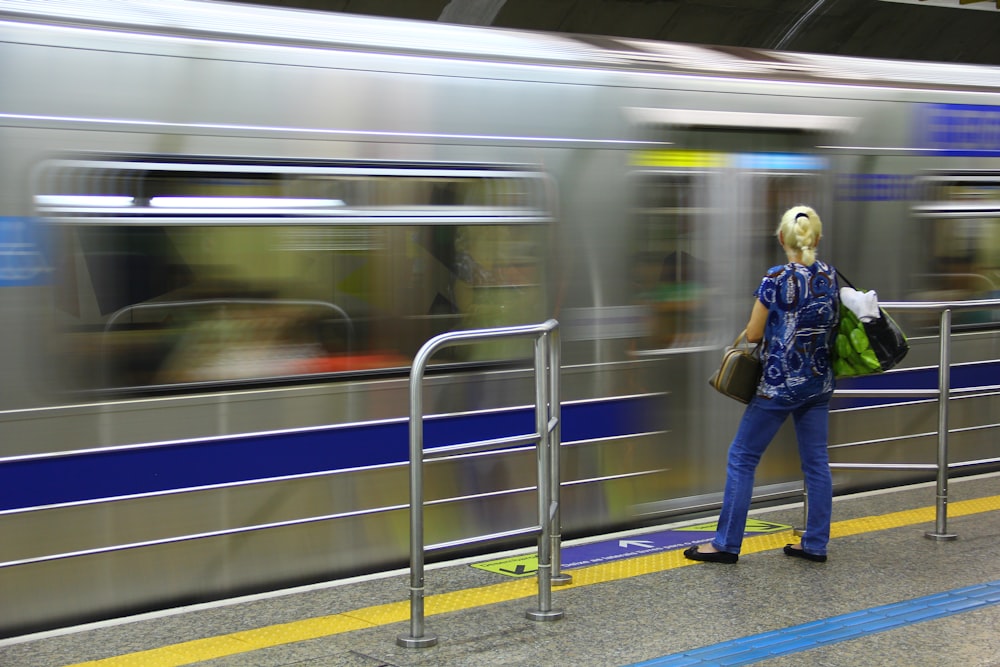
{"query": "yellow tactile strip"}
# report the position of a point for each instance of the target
(199, 650)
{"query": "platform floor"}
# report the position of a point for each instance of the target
(887, 596)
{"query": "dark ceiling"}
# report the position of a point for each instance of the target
(937, 30)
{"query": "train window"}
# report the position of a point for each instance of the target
(174, 273)
(669, 266)
(960, 223)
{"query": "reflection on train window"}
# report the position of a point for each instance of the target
(960, 216)
(261, 271)
(669, 265)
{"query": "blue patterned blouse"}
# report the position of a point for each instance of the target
(803, 305)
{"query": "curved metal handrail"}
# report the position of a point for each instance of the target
(546, 438)
(199, 303)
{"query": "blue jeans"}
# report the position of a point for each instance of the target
(758, 427)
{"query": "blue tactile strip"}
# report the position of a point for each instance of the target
(748, 650)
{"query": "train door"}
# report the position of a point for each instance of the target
(707, 207)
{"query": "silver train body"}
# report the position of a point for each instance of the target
(226, 230)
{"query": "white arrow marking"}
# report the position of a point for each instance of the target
(625, 544)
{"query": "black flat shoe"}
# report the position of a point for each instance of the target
(692, 553)
(799, 553)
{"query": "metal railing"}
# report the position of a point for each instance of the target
(943, 394)
(546, 438)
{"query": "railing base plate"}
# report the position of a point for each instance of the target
(561, 579)
(940, 537)
(416, 642)
(538, 615)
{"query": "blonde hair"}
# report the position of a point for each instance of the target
(801, 230)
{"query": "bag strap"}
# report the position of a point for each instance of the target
(752, 347)
(840, 274)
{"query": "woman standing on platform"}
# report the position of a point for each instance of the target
(795, 314)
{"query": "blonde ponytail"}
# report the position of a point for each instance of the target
(801, 230)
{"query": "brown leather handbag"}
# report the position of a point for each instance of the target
(740, 370)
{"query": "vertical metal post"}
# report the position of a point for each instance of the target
(544, 455)
(546, 371)
(944, 388)
(416, 638)
(559, 578)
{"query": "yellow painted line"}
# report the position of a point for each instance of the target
(199, 650)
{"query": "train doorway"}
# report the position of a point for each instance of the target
(706, 212)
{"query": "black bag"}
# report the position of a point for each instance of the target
(869, 347)
(739, 373)
(887, 339)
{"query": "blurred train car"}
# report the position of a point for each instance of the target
(226, 230)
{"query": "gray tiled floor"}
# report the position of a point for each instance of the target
(640, 618)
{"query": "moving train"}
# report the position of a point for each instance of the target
(226, 230)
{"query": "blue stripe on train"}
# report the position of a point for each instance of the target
(962, 376)
(94, 475)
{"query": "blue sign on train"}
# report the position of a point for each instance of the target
(22, 261)
(959, 129)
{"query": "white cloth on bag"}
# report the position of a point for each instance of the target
(862, 304)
